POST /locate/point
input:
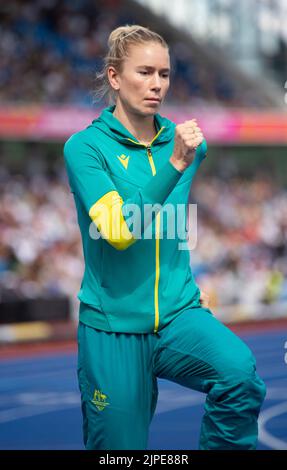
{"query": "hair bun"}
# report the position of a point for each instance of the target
(119, 33)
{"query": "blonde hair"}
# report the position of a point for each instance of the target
(119, 42)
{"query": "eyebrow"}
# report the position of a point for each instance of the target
(152, 68)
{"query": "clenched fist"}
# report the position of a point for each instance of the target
(204, 299)
(188, 137)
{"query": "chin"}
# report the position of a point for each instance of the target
(149, 110)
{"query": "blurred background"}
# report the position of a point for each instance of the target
(229, 70)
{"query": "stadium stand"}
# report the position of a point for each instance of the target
(55, 47)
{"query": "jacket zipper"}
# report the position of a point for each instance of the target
(157, 232)
(157, 265)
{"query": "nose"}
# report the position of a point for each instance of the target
(156, 83)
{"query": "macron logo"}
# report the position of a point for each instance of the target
(124, 160)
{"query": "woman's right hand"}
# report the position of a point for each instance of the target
(188, 137)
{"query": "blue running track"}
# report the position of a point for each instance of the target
(40, 402)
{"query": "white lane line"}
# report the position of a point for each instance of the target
(28, 411)
(32, 404)
(39, 403)
(172, 400)
(276, 393)
(264, 436)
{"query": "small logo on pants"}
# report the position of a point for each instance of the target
(99, 400)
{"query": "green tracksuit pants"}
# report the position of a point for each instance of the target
(118, 374)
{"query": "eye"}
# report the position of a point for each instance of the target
(143, 72)
(165, 75)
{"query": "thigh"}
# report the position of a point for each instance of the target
(196, 350)
(118, 388)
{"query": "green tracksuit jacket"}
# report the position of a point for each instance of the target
(136, 278)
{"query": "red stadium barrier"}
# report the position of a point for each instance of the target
(220, 126)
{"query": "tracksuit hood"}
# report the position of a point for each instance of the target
(110, 125)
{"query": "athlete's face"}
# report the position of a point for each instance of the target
(144, 79)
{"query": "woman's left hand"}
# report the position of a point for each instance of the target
(204, 299)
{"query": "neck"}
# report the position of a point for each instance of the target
(141, 127)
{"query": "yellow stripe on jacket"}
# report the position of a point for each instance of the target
(107, 214)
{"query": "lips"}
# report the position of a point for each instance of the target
(153, 99)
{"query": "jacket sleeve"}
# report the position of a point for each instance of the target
(90, 181)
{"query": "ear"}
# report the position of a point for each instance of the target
(113, 77)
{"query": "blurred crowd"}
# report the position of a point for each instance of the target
(40, 250)
(240, 257)
(51, 49)
(241, 254)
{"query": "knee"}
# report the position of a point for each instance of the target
(245, 395)
(249, 390)
(253, 389)
(241, 377)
